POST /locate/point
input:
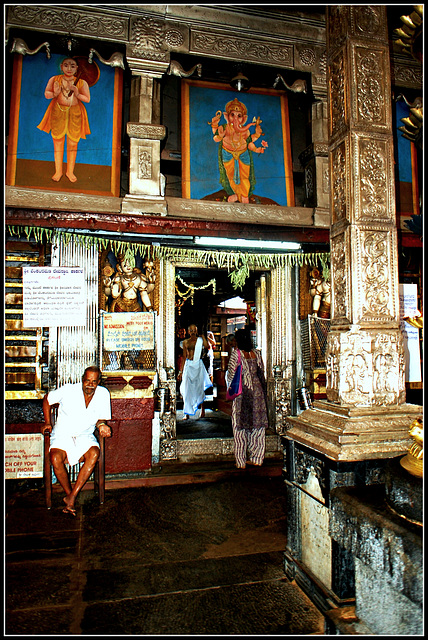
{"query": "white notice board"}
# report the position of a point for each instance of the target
(128, 331)
(54, 297)
(23, 456)
(409, 308)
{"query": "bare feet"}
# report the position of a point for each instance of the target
(185, 417)
(232, 198)
(71, 176)
(70, 511)
(57, 177)
(69, 506)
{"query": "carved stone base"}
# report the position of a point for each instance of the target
(211, 449)
(351, 433)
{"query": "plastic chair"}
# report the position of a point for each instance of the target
(98, 473)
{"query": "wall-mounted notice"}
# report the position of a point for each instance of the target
(408, 309)
(23, 456)
(128, 331)
(54, 297)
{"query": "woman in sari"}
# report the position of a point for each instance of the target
(249, 411)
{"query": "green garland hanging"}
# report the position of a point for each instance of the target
(237, 263)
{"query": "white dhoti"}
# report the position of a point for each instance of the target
(195, 381)
(74, 446)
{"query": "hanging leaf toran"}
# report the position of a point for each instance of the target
(237, 263)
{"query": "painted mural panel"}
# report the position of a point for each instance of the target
(235, 146)
(407, 187)
(65, 125)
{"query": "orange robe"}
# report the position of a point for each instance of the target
(71, 121)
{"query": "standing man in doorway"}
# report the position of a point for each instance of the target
(193, 374)
(81, 408)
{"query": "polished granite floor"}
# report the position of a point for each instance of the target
(194, 555)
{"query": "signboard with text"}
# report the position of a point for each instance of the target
(23, 456)
(128, 331)
(409, 308)
(53, 297)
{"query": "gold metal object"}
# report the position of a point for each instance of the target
(415, 321)
(413, 461)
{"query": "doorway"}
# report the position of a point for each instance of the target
(267, 294)
(207, 298)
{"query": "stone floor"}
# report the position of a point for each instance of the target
(196, 552)
(214, 424)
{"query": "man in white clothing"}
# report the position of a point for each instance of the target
(194, 376)
(81, 408)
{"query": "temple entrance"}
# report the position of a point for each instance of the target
(192, 293)
(208, 299)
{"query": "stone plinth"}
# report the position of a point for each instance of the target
(387, 552)
(320, 565)
(354, 433)
(404, 492)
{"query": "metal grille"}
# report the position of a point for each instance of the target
(77, 346)
(129, 360)
(314, 332)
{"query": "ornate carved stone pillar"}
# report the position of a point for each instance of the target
(148, 57)
(346, 440)
(366, 415)
(365, 344)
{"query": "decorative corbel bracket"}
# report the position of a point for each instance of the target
(116, 60)
(20, 46)
(175, 69)
(298, 86)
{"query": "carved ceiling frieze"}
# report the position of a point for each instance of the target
(67, 20)
(241, 48)
(148, 34)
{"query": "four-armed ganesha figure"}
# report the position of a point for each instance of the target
(235, 150)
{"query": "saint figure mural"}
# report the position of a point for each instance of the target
(66, 115)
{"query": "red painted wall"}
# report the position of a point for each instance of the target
(130, 447)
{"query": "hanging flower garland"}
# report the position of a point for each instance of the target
(191, 288)
(236, 262)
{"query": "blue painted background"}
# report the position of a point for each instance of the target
(34, 144)
(269, 167)
(404, 157)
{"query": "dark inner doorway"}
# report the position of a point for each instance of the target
(207, 312)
